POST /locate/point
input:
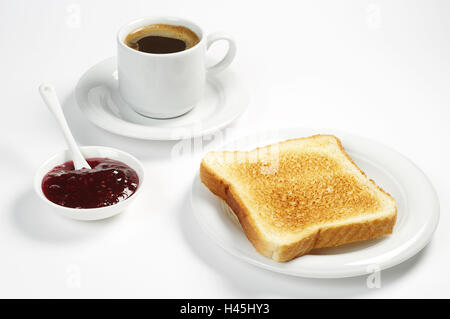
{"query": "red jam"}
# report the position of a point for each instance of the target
(106, 183)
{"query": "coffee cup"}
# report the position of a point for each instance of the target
(162, 79)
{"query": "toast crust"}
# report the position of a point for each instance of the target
(225, 191)
(328, 236)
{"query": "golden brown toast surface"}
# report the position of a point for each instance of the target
(288, 192)
(305, 190)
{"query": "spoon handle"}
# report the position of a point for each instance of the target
(48, 94)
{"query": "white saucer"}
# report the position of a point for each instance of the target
(417, 204)
(98, 97)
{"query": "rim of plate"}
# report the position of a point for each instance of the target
(133, 130)
(407, 249)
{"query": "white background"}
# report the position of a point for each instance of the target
(380, 69)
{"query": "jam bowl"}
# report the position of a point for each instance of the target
(60, 162)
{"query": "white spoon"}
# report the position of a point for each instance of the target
(49, 96)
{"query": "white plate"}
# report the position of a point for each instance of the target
(418, 213)
(98, 97)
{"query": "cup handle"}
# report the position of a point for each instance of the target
(227, 59)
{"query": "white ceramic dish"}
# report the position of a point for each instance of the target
(418, 213)
(90, 151)
(98, 97)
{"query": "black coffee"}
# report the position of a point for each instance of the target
(159, 45)
(161, 39)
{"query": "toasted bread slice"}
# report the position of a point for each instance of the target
(300, 194)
